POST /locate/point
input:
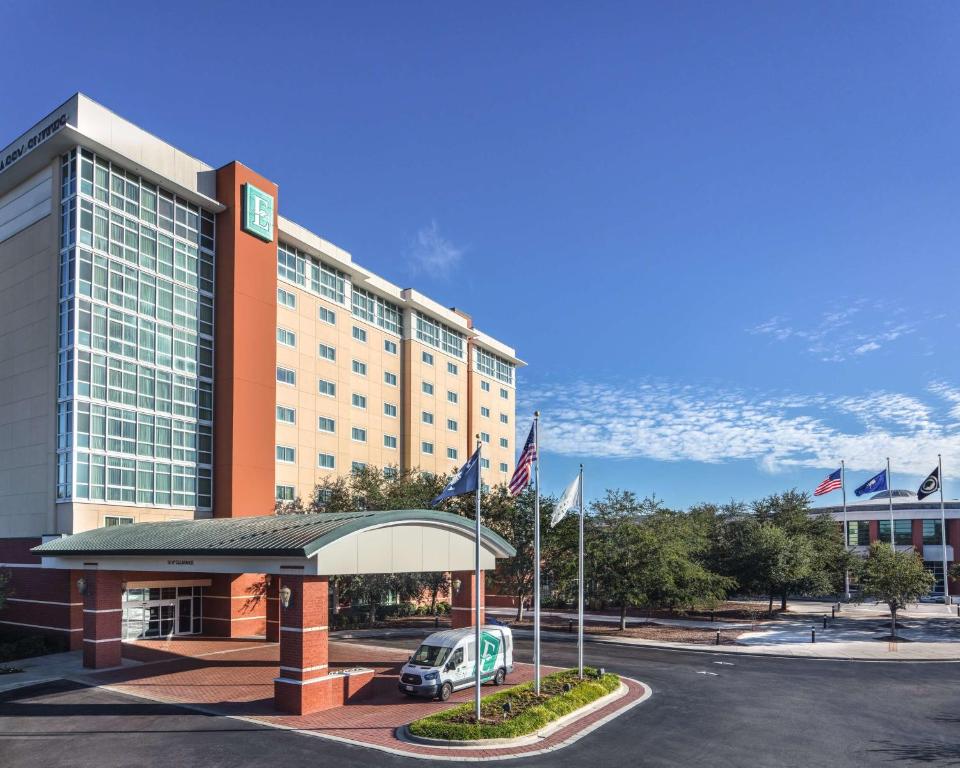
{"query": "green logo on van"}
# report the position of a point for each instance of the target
(489, 650)
(257, 212)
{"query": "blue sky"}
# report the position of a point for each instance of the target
(724, 236)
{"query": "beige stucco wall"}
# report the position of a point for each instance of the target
(83, 516)
(28, 376)
(493, 426)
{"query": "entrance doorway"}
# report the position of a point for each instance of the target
(161, 612)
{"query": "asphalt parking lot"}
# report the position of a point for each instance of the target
(707, 709)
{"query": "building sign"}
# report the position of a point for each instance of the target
(257, 212)
(31, 141)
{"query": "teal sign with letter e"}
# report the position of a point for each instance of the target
(257, 212)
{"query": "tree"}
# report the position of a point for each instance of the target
(434, 583)
(5, 589)
(896, 578)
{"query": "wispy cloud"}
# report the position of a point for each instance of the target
(432, 252)
(837, 335)
(665, 422)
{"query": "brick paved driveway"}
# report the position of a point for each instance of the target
(235, 678)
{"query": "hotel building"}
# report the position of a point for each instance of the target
(171, 348)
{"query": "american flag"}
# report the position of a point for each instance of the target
(830, 483)
(521, 475)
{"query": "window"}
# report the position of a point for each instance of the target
(327, 352)
(484, 411)
(111, 520)
(485, 463)
(286, 299)
(359, 434)
(426, 417)
(504, 419)
(490, 364)
(357, 466)
(389, 409)
(370, 307)
(327, 388)
(287, 338)
(359, 401)
(485, 437)
(389, 441)
(285, 493)
(503, 466)
(452, 425)
(326, 461)
(359, 334)
(931, 532)
(390, 379)
(390, 347)
(504, 443)
(902, 531)
(438, 335)
(286, 376)
(286, 415)
(504, 394)
(427, 358)
(286, 454)
(359, 368)
(485, 386)
(390, 472)
(328, 316)
(452, 397)
(858, 533)
(426, 448)
(452, 453)
(427, 388)
(326, 424)
(452, 368)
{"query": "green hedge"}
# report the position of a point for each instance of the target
(529, 713)
(20, 646)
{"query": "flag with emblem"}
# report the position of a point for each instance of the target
(875, 484)
(930, 485)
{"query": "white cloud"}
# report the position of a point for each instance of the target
(870, 346)
(666, 422)
(433, 253)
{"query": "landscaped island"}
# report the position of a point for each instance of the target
(527, 712)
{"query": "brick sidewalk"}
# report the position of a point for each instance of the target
(235, 678)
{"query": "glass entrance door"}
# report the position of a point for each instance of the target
(161, 611)
(184, 615)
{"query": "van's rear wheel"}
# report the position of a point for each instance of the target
(445, 690)
(500, 676)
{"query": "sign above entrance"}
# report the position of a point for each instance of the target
(258, 207)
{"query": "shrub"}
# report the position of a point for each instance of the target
(14, 645)
(529, 713)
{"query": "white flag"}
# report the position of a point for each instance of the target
(569, 502)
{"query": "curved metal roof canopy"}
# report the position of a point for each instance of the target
(398, 541)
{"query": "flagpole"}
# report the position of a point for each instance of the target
(580, 583)
(476, 587)
(890, 497)
(536, 556)
(943, 533)
(846, 528)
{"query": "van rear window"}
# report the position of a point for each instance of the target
(431, 655)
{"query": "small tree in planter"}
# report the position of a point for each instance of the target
(896, 578)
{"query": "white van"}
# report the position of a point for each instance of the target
(444, 662)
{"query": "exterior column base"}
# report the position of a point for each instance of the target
(301, 697)
(100, 654)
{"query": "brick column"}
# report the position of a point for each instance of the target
(273, 610)
(916, 530)
(303, 685)
(874, 530)
(235, 605)
(102, 619)
(464, 604)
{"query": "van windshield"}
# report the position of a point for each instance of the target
(431, 655)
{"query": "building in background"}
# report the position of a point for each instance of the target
(916, 526)
(172, 348)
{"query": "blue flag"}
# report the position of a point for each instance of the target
(465, 481)
(876, 483)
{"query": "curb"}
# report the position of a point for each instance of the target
(403, 732)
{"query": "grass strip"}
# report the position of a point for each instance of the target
(528, 712)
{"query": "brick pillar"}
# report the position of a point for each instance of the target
(953, 540)
(235, 605)
(302, 686)
(102, 618)
(916, 530)
(273, 610)
(462, 610)
(874, 530)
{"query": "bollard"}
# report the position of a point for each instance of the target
(813, 635)
(436, 622)
(833, 613)
(713, 615)
(718, 637)
(569, 627)
(824, 622)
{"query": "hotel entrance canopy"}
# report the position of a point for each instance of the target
(398, 541)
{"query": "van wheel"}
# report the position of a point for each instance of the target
(445, 690)
(500, 676)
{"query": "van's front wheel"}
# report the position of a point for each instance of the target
(500, 676)
(445, 690)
